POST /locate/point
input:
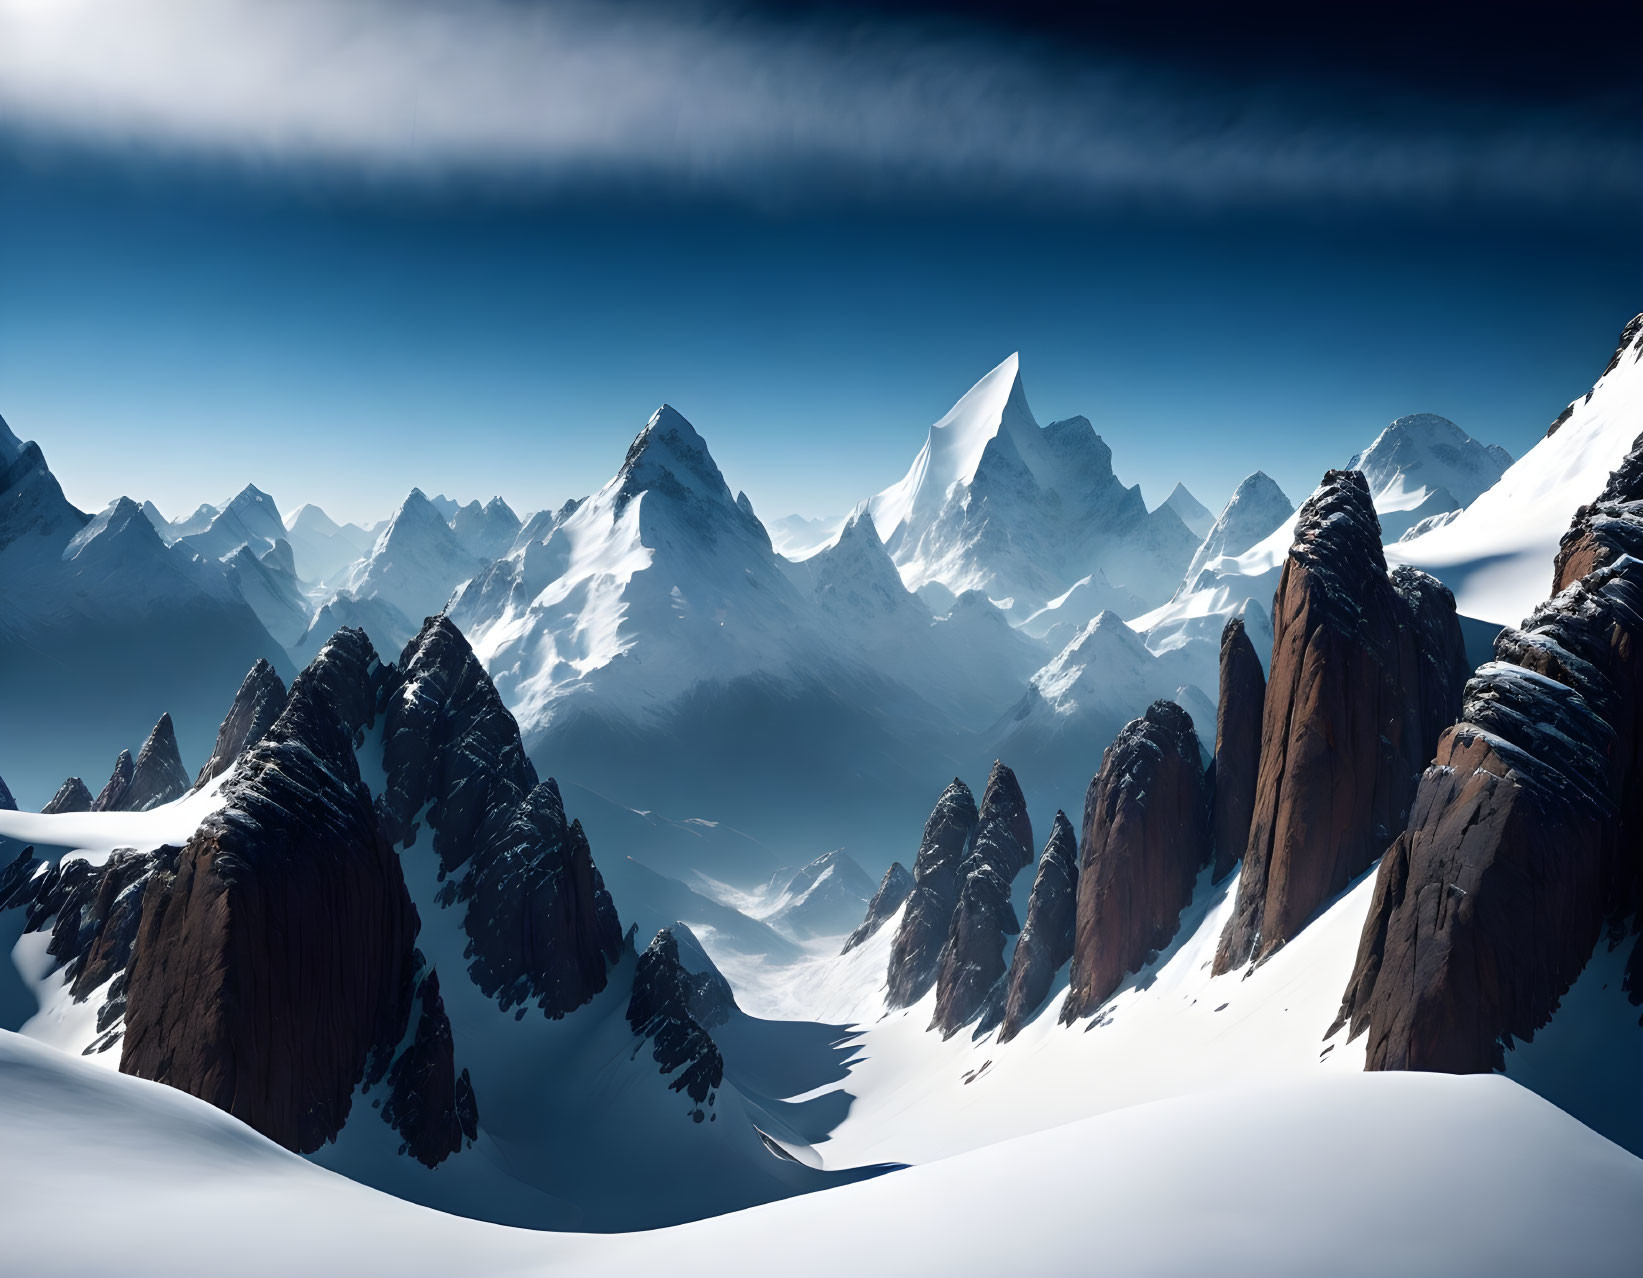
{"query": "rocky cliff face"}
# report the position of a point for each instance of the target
(971, 963)
(1237, 744)
(71, 796)
(255, 707)
(894, 888)
(1046, 940)
(541, 924)
(930, 905)
(272, 968)
(659, 1010)
(1146, 835)
(1523, 843)
(1366, 670)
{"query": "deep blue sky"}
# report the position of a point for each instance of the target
(183, 311)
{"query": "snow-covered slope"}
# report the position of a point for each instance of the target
(994, 502)
(1479, 1176)
(486, 532)
(1497, 554)
(1257, 507)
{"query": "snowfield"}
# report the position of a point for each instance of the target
(1358, 1174)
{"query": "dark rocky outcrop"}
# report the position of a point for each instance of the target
(7, 803)
(159, 776)
(659, 1010)
(930, 905)
(71, 796)
(710, 999)
(429, 1103)
(1046, 940)
(109, 798)
(894, 888)
(93, 912)
(540, 923)
(272, 968)
(1237, 744)
(971, 963)
(1490, 903)
(255, 707)
(1367, 669)
(1523, 848)
(1146, 836)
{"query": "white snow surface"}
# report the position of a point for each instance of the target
(94, 835)
(1475, 1176)
(1497, 554)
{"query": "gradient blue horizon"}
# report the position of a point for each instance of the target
(174, 331)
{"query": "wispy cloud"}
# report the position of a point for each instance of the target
(559, 93)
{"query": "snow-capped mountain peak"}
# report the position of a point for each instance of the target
(1190, 510)
(952, 451)
(669, 455)
(1422, 465)
(1257, 508)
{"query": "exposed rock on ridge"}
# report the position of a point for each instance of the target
(71, 796)
(930, 905)
(894, 888)
(272, 968)
(1366, 671)
(971, 963)
(1146, 835)
(659, 1010)
(541, 924)
(1525, 833)
(1046, 940)
(256, 705)
(1237, 744)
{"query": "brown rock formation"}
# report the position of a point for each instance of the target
(1522, 841)
(1606, 529)
(929, 913)
(119, 781)
(1237, 744)
(159, 776)
(1367, 669)
(1146, 836)
(1046, 940)
(971, 963)
(272, 968)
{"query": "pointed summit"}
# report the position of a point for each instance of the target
(952, 450)
(669, 456)
(1189, 510)
(159, 776)
(114, 790)
(256, 705)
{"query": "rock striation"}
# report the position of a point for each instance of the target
(1367, 669)
(1046, 941)
(1146, 836)
(71, 796)
(894, 888)
(1522, 849)
(659, 1010)
(1237, 744)
(272, 968)
(971, 963)
(541, 925)
(930, 905)
(255, 707)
